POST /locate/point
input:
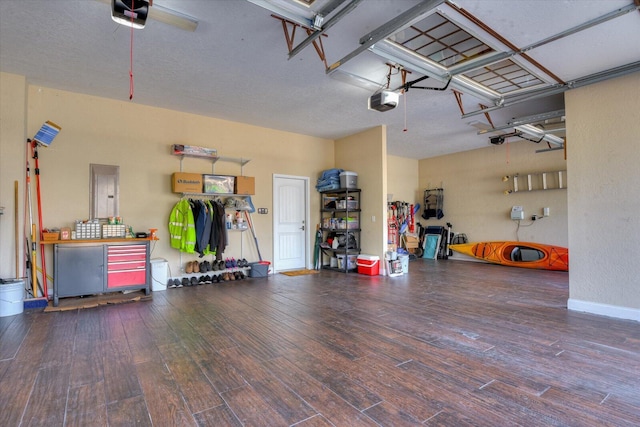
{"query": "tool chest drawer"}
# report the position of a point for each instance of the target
(126, 265)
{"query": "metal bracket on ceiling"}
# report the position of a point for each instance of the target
(486, 114)
(458, 96)
(290, 36)
(403, 74)
(320, 26)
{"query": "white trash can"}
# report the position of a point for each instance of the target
(404, 260)
(159, 274)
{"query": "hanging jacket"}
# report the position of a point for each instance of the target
(202, 218)
(209, 229)
(218, 242)
(182, 231)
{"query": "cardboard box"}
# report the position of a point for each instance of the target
(50, 235)
(245, 185)
(219, 184)
(411, 242)
(186, 182)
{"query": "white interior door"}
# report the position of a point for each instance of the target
(291, 218)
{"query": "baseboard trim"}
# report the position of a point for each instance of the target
(618, 312)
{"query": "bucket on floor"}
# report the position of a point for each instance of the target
(11, 297)
(404, 261)
(368, 265)
(259, 269)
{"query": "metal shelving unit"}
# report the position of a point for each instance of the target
(340, 219)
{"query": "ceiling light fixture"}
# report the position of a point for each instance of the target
(536, 132)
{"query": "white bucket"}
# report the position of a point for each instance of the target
(11, 297)
(404, 260)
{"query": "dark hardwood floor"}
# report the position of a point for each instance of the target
(450, 344)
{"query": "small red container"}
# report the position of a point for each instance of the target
(368, 265)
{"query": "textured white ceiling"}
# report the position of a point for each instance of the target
(235, 66)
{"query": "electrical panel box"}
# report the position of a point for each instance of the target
(517, 213)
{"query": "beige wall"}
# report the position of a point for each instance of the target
(138, 139)
(603, 130)
(12, 169)
(365, 154)
(402, 179)
(474, 199)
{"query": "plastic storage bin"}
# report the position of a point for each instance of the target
(368, 265)
(350, 259)
(348, 179)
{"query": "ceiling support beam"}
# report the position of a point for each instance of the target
(585, 25)
(554, 90)
(387, 29)
(284, 13)
(330, 23)
(523, 120)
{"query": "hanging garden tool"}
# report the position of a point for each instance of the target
(44, 137)
(317, 250)
(30, 249)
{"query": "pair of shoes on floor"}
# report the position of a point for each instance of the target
(237, 275)
(174, 283)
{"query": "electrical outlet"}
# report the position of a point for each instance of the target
(263, 210)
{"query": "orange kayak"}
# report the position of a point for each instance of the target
(518, 254)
